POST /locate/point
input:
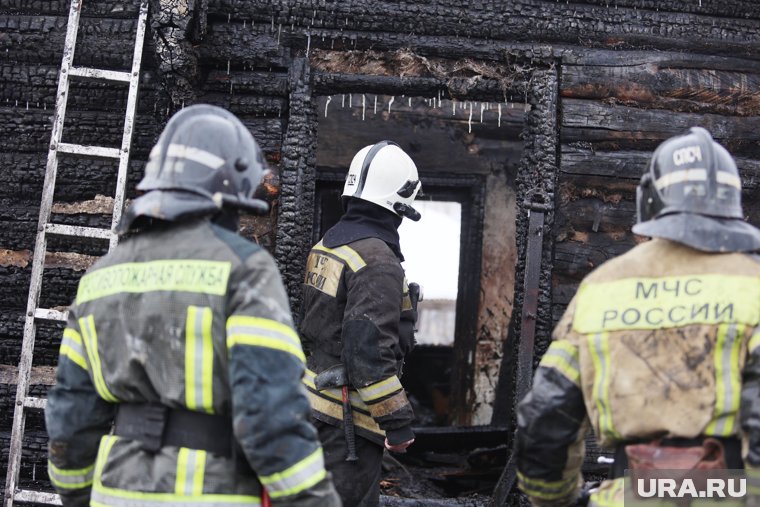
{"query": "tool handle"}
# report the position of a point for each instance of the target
(348, 426)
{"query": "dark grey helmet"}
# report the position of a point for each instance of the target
(205, 161)
(692, 194)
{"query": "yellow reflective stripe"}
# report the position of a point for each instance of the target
(204, 277)
(347, 254)
(260, 332)
(114, 497)
(66, 478)
(103, 496)
(190, 464)
(380, 389)
(303, 475)
(607, 497)
(334, 393)
(600, 356)
(199, 359)
(87, 325)
(727, 380)
(754, 341)
(546, 490)
(564, 357)
(72, 347)
(666, 302)
(334, 409)
(104, 449)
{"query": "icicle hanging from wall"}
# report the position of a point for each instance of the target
(327, 103)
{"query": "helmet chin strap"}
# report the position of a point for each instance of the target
(254, 206)
(407, 211)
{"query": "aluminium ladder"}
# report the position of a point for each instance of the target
(25, 402)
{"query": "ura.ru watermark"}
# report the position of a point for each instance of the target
(686, 485)
(733, 487)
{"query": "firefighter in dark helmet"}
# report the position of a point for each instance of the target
(181, 338)
(659, 350)
(358, 323)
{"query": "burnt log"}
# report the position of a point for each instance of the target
(101, 8)
(247, 82)
(747, 9)
(623, 128)
(580, 160)
(523, 20)
(29, 130)
(655, 86)
(453, 88)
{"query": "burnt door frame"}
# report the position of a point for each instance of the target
(535, 183)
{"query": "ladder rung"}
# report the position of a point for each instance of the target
(32, 402)
(48, 314)
(76, 230)
(108, 75)
(24, 495)
(89, 151)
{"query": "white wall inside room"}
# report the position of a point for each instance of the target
(431, 250)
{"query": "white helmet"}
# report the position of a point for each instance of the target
(385, 175)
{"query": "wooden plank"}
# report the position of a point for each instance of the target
(41, 375)
(745, 9)
(29, 130)
(656, 86)
(101, 8)
(518, 21)
(593, 121)
(581, 160)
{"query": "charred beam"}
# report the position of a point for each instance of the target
(544, 22)
(592, 121)
(297, 177)
(654, 86)
(583, 161)
(29, 130)
(746, 9)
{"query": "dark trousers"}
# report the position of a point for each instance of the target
(357, 482)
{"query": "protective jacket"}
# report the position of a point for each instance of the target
(662, 342)
(192, 317)
(357, 311)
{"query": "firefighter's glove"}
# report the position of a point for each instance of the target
(398, 447)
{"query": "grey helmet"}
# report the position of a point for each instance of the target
(205, 161)
(692, 194)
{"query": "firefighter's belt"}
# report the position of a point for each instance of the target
(156, 426)
(731, 448)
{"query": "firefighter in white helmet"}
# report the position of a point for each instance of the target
(659, 351)
(358, 323)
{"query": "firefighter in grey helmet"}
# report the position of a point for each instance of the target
(358, 323)
(677, 319)
(181, 338)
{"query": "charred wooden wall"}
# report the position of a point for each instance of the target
(607, 79)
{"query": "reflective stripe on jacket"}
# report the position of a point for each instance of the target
(660, 342)
(355, 297)
(193, 317)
